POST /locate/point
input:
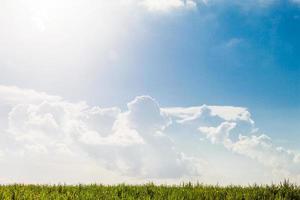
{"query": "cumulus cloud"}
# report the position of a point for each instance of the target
(47, 134)
(234, 128)
(131, 143)
(220, 133)
(282, 162)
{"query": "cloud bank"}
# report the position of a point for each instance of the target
(54, 140)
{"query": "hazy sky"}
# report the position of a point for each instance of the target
(149, 90)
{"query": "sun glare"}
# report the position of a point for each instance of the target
(62, 34)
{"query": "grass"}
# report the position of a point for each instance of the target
(149, 191)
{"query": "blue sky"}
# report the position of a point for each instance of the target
(221, 54)
(187, 54)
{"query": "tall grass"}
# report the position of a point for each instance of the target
(150, 191)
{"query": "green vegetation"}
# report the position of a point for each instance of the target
(149, 191)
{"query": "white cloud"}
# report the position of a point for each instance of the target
(141, 148)
(13, 95)
(130, 143)
(234, 128)
(220, 133)
(282, 162)
(47, 134)
(166, 5)
(227, 113)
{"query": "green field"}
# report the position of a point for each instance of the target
(149, 191)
